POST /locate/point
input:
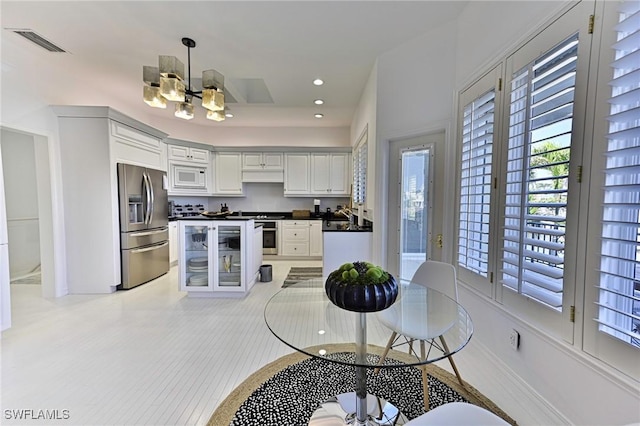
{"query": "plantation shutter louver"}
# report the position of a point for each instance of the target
(360, 173)
(619, 284)
(475, 183)
(540, 127)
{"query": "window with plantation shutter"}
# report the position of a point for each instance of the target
(475, 183)
(537, 169)
(619, 284)
(360, 157)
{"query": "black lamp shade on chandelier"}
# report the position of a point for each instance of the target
(166, 83)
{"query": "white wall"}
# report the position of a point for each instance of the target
(415, 83)
(304, 137)
(484, 35)
(22, 202)
(365, 118)
(415, 86)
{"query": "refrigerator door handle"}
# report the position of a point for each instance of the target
(152, 197)
(144, 234)
(145, 180)
(156, 247)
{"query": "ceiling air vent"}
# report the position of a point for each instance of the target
(37, 39)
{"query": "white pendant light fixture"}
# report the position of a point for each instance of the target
(166, 83)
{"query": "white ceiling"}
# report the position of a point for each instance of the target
(286, 44)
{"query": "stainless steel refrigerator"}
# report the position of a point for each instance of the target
(144, 230)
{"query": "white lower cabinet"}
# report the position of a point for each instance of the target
(216, 257)
(315, 238)
(173, 242)
(295, 238)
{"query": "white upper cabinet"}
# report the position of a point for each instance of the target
(262, 167)
(296, 174)
(330, 174)
(228, 173)
(262, 161)
(185, 153)
(317, 174)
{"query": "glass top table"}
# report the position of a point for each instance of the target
(303, 317)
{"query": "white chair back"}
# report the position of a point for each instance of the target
(458, 414)
(439, 276)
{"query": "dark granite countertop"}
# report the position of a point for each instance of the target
(352, 228)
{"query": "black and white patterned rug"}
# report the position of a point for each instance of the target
(290, 397)
(301, 273)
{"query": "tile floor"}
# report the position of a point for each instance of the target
(147, 356)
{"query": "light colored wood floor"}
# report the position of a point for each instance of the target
(147, 356)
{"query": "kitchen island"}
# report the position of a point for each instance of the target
(344, 242)
(218, 257)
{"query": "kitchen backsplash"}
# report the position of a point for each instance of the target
(262, 197)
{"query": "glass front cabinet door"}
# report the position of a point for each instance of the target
(230, 260)
(212, 257)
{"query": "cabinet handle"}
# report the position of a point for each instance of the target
(295, 235)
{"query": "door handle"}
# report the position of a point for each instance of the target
(145, 179)
(153, 198)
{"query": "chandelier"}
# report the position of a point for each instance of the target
(166, 83)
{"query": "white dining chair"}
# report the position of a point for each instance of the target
(458, 414)
(439, 276)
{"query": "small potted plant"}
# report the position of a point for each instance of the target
(361, 287)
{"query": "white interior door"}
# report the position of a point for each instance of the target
(415, 227)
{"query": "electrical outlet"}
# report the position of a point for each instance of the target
(514, 339)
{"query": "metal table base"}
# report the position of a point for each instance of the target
(340, 410)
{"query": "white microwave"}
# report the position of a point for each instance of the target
(191, 177)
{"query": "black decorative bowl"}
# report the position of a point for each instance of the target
(362, 298)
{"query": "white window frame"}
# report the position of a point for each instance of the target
(488, 82)
(620, 355)
(575, 20)
(360, 166)
(555, 323)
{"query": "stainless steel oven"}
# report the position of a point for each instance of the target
(269, 236)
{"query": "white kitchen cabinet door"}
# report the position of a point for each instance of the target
(330, 174)
(296, 174)
(315, 238)
(132, 146)
(273, 160)
(197, 271)
(339, 177)
(320, 173)
(185, 153)
(262, 167)
(252, 161)
(233, 249)
(262, 161)
(228, 174)
(173, 242)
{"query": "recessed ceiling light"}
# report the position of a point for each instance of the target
(318, 82)
(228, 115)
(318, 102)
(318, 115)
